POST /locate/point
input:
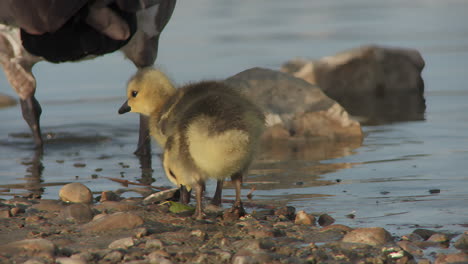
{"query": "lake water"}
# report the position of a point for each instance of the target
(385, 182)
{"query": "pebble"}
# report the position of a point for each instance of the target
(15, 211)
(245, 256)
(79, 213)
(373, 236)
(48, 206)
(341, 228)
(325, 220)
(302, 218)
(76, 193)
(113, 221)
(5, 213)
(109, 196)
(64, 260)
(287, 211)
(116, 206)
(34, 261)
(141, 232)
(123, 243)
(410, 248)
(38, 247)
(153, 243)
(156, 258)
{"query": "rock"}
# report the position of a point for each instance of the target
(63, 260)
(113, 222)
(462, 242)
(293, 107)
(455, 258)
(302, 218)
(424, 233)
(439, 238)
(374, 236)
(6, 101)
(32, 247)
(123, 243)
(381, 84)
(114, 256)
(325, 220)
(79, 213)
(76, 193)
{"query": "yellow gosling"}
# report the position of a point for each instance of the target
(207, 129)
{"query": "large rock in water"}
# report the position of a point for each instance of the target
(293, 107)
(377, 84)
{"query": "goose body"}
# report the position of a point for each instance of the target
(207, 129)
(61, 31)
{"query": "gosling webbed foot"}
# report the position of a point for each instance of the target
(218, 193)
(184, 195)
(238, 209)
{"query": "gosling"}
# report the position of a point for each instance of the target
(207, 130)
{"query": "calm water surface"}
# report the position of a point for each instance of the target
(385, 182)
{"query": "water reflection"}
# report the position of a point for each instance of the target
(32, 186)
(285, 164)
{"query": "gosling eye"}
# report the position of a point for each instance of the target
(134, 93)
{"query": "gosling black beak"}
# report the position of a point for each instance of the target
(124, 108)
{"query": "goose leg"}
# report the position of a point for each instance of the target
(199, 189)
(217, 196)
(32, 110)
(237, 207)
(144, 142)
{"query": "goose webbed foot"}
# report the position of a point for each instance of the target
(32, 110)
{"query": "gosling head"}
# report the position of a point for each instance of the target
(147, 91)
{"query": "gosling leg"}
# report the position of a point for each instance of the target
(184, 195)
(144, 142)
(217, 196)
(199, 189)
(32, 110)
(237, 207)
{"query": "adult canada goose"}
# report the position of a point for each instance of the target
(207, 130)
(60, 31)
